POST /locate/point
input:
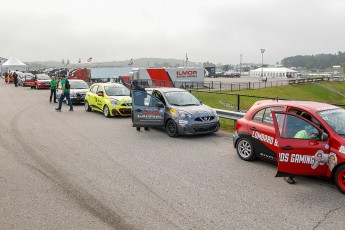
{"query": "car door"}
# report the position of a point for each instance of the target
(299, 155)
(261, 132)
(147, 110)
(99, 98)
(91, 95)
(59, 90)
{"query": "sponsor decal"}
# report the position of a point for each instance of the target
(186, 73)
(150, 112)
(265, 138)
(342, 149)
(266, 156)
(150, 116)
(320, 158)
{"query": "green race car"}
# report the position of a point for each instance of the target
(111, 99)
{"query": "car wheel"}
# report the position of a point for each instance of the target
(171, 128)
(339, 178)
(87, 107)
(106, 111)
(245, 149)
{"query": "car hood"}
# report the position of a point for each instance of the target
(122, 98)
(78, 90)
(197, 109)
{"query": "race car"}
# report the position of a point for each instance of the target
(302, 137)
(174, 109)
(112, 99)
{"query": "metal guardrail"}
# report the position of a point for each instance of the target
(229, 114)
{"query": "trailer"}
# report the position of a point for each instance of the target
(186, 77)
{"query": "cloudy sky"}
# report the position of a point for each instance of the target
(217, 31)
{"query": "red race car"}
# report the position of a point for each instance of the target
(302, 137)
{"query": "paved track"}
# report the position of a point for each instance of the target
(79, 170)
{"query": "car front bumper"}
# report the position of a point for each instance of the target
(123, 111)
(192, 128)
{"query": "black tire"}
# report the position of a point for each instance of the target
(191, 87)
(106, 111)
(32, 87)
(181, 87)
(87, 106)
(171, 128)
(245, 149)
(339, 178)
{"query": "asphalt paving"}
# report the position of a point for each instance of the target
(80, 170)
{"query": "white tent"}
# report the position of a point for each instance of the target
(13, 63)
(273, 72)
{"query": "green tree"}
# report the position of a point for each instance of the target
(226, 68)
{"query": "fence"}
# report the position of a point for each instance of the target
(242, 103)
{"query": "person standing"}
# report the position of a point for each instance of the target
(65, 87)
(6, 77)
(53, 85)
(139, 99)
(15, 78)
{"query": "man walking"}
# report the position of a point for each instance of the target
(53, 85)
(64, 93)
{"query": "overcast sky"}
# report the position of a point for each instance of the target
(217, 31)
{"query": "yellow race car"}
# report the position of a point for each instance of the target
(111, 99)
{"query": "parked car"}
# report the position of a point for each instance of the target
(304, 138)
(112, 99)
(41, 81)
(78, 89)
(174, 109)
(26, 79)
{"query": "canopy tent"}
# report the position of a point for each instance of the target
(13, 63)
(273, 72)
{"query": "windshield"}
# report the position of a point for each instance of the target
(181, 99)
(28, 76)
(335, 118)
(116, 90)
(42, 77)
(78, 85)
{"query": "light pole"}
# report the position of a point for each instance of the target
(262, 62)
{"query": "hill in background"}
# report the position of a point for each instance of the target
(140, 62)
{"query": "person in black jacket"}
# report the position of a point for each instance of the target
(15, 78)
(138, 99)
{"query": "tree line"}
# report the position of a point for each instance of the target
(318, 61)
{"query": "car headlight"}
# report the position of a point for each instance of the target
(185, 115)
(114, 102)
(214, 112)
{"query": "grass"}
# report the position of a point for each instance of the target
(308, 91)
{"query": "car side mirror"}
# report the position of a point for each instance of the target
(100, 94)
(160, 105)
(200, 102)
(324, 137)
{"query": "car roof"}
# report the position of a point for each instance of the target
(108, 84)
(306, 105)
(168, 90)
(75, 80)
